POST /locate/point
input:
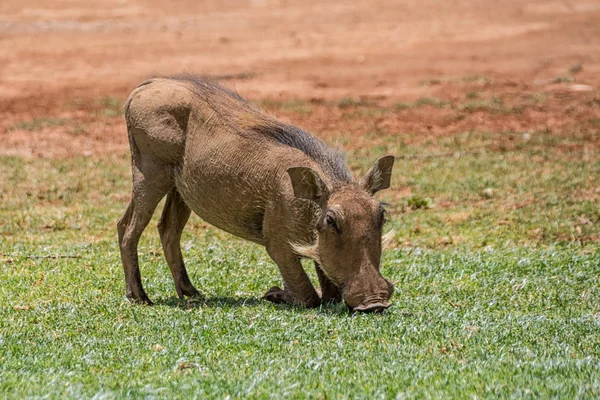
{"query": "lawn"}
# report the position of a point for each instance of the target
(496, 263)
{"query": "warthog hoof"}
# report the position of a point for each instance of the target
(191, 293)
(140, 300)
(279, 296)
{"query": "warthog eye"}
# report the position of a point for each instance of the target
(331, 221)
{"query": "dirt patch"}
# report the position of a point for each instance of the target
(363, 70)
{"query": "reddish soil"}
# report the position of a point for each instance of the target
(497, 65)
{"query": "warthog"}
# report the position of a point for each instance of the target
(241, 170)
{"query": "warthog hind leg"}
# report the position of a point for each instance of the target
(174, 217)
(151, 181)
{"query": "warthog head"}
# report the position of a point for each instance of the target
(349, 233)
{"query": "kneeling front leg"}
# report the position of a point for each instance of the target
(298, 290)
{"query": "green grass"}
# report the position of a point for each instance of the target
(497, 295)
(473, 103)
(575, 68)
(563, 79)
(493, 104)
(347, 102)
(467, 79)
(423, 101)
(111, 106)
(295, 106)
(39, 123)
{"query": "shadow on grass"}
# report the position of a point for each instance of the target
(232, 302)
(219, 302)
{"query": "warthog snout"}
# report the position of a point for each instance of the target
(372, 308)
(370, 294)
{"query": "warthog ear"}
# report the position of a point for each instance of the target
(307, 184)
(379, 176)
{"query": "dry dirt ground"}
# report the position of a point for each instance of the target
(414, 68)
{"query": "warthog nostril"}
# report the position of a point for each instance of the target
(372, 308)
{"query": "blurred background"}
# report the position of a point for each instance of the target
(445, 67)
(492, 109)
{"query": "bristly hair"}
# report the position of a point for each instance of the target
(310, 251)
(387, 239)
(206, 85)
(331, 160)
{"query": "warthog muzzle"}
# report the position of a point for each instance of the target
(368, 295)
(371, 308)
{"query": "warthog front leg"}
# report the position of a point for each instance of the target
(174, 217)
(329, 292)
(298, 289)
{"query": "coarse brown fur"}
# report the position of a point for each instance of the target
(210, 151)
